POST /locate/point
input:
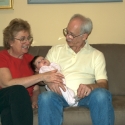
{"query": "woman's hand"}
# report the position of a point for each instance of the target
(34, 105)
(52, 77)
(34, 98)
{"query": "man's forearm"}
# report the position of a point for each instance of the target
(99, 85)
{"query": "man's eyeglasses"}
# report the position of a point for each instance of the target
(70, 35)
(23, 39)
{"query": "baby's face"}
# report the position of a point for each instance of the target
(41, 61)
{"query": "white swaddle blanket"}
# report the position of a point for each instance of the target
(69, 94)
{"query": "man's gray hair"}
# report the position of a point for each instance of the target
(86, 26)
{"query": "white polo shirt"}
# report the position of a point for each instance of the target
(83, 67)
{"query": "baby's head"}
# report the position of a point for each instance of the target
(37, 62)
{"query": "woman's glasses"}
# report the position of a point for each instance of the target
(23, 39)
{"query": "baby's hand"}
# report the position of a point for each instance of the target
(76, 98)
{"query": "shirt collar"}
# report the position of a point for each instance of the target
(86, 46)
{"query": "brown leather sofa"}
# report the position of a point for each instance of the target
(115, 60)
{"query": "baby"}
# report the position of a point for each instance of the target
(41, 65)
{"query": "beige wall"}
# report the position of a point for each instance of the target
(48, 20)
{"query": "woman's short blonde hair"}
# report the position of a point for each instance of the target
(16, 25)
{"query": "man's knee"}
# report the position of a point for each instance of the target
(101, 95)
(44, 96)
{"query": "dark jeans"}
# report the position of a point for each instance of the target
(15, 106)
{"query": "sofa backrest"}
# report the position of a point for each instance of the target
(115, 63)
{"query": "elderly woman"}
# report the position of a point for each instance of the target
(16, 75)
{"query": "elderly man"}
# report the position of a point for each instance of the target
(84, 69)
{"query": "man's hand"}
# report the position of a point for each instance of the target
(54, 81)
(83, 90)
(55, 87)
